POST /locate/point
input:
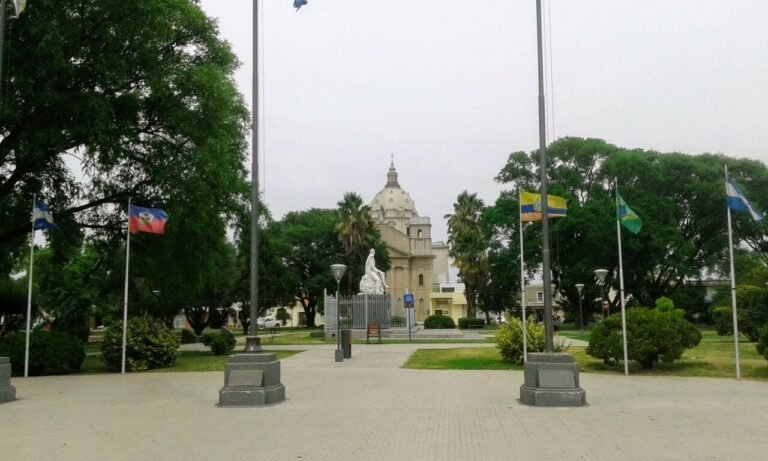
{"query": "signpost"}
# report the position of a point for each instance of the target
(408, 300)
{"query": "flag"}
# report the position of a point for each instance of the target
(738, 202)
(299, 3)
(150, 220)
(530, 206)
(628, 218)
(20, 4)
(42, 217)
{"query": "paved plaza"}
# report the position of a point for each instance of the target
(368, 408)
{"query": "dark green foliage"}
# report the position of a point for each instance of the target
(762, 343)
(150, 344)
(50, 353)
(722, 316)
(439, 321)
(221, 342)
(751, 309)
(282, 315)
(466, 323)
(652, 335)
(188, 337)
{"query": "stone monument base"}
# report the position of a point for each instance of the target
(552, 380)
(250, 380)
(7, 392)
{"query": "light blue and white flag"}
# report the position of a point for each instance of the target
(42, 217)
(737, 201)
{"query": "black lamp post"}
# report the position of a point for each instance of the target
(580, 286)
(600, 274)
(338, 271)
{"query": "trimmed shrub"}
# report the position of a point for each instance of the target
(50, 353)
(220, 343)
(149, 344)
(652, 335)
(282, 315)
(188, 336)
(439, 321)
(509, 339)
(762, 343)
(466, 323)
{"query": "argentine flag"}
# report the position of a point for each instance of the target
(42, 217)
(738, 202)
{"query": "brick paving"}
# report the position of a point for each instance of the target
(368, 408)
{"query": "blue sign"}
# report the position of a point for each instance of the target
(408, 300)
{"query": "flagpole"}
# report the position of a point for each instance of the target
(621, 284)
(733, 286)
(522, 272)
(29, 290)
(125, 295)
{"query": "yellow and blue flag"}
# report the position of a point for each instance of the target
(530, 206)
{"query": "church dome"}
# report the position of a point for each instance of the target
(393, 205)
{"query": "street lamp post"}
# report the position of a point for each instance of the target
(600, 274)
(338, 271)
(580, 286)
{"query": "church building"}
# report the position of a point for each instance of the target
(409, 242)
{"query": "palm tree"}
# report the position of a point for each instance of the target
(354, 227)
(467, 246)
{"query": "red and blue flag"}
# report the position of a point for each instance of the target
(151, 220)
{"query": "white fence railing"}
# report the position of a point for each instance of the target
(356, 312)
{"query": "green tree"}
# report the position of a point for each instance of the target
(141, 93)
(468, 247)
(679, 197)
(309, 246)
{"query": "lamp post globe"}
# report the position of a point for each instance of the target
(579, 287)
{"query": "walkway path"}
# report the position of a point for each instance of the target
(368, 408)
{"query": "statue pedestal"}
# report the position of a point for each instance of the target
(552, 380)
(252, 379)
(7, 392)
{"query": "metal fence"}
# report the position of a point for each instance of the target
(356, 312)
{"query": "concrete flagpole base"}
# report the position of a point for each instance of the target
(552, 380)
(7, 392)
(252, 378)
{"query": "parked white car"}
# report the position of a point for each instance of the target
(268, 322)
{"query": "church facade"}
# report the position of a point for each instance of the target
(408, 237)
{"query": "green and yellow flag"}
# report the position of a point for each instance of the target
(628, 218)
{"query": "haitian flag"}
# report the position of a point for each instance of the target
(150, 220)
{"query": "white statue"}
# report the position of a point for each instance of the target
(372, 282)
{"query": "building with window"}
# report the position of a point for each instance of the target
(409, 243)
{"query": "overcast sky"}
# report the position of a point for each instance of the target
(450, 88)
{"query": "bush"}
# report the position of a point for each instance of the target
(509, 339)
(439, 321)
(220, 343)
(188, 336)
(282, 315)
(752, 312)
(466, 323)
(50, 353)
(652, 335)
(762, 343)
(150, 344)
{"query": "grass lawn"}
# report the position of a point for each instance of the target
(713, 357)
(186, 361)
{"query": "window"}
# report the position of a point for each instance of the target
(421, 280)
(419, 233)
(540, 296)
